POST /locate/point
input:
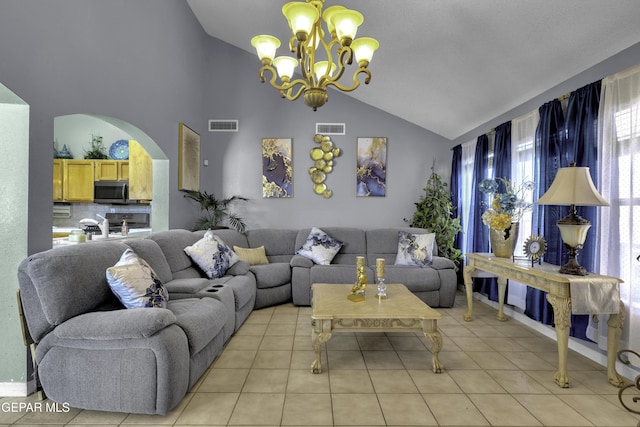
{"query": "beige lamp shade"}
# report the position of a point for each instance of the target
(346, 22)
(363, 48)
(301, 17)
(265, 47)
(320, 69)
(328, 14)
(573, 186)
(285, 66)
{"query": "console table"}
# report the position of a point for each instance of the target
(547, 278)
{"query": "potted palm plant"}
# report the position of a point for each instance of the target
(217, 212)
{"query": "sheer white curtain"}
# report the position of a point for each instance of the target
(523, 132)
(619, 135)
(468, 153)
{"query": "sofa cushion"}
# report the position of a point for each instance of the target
(212, 255)
(279, 244)
(415, 249)
(201, 319)
(271, 275)
(172, 243)
(50, 297)
(115, 324)
(135, 283)
(415, 279)
(320, 247)
(337, 273)
(151, 252)
(254, 256)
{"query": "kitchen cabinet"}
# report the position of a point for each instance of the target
(140, 172)
(57, 180)
(77, 183)
(111, 170)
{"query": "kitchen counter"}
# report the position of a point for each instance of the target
(135, 233)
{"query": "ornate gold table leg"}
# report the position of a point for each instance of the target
(502, 287)
(468, 285)
(614, 330)
(319, 336)
(562, 318)
(430, 330)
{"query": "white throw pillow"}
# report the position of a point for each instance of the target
(320, 247)
(212, 255)
(415, 249)
(135, 283)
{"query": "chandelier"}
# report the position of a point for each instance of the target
(315, 55)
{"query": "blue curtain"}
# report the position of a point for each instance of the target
(478, 239)
(502, 154)
(560, 141)
(456, 190)
(582, 143)
(549, 142)
(581, 125)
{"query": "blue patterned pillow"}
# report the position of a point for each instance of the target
(135, 283)
(212, 255)
(415, 249)
(320, 247)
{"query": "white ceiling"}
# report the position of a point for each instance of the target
(450, 66)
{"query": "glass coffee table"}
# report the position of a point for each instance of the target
(401, 311)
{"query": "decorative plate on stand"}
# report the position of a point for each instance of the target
(119, 150)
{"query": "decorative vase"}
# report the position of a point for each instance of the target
(503, 242)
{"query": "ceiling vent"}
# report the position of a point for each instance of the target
(223, 126)
(331, 128)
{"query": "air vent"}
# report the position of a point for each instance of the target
(223, 126)
(331, 128)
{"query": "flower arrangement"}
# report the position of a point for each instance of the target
(506, 207)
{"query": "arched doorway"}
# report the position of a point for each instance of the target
(75, 130)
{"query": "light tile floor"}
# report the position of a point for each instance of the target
(496, 374)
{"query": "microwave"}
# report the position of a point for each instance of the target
(112, 193)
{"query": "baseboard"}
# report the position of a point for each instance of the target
(588, 349)
(14, 389)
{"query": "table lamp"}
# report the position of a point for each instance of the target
(573, 187)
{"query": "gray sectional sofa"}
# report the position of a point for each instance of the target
(93, 353)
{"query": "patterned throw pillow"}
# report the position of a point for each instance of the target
(320, 247)
(415, 249)
(212, 255)
(135, 283)
(254, 256)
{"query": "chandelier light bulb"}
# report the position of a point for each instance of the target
(265, 47)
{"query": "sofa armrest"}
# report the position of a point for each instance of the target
(300, 261)
(240, 268)
(441, 263)
(116, 324)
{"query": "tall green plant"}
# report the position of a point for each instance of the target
(434, 212)
(216, 211)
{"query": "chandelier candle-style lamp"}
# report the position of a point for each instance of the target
(318, 66)
(573, 187)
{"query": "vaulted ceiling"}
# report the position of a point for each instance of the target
(450, 66)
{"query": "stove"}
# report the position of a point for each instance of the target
(134, 220)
